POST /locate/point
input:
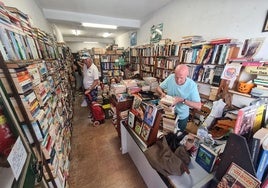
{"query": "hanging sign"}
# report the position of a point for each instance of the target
(259, 70)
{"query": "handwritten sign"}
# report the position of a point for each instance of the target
(17, 158)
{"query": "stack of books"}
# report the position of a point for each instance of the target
(21, 77)
(261, 89)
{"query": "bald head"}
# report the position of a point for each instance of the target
(181, 73)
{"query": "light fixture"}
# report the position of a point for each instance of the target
(76, 32)
(90, 42)
(105, 26)
(106, 35)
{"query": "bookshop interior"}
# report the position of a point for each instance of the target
(145, 93)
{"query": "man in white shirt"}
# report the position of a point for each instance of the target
(90, 77)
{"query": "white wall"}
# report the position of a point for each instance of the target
(239, 19)
(77, 46)
(123, 40)
(30, 7)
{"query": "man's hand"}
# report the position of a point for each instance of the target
(177, 100)
(87, 91)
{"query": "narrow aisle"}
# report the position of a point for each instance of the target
(96, 159)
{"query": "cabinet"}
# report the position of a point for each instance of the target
(132, 145)
(118, 108)
(37, 79)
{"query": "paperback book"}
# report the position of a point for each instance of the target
(145, 132)
(131, 119)
(238, 177)
(138, 127)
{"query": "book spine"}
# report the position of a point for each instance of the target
(255, 150)
(238, 122)
(262, 165)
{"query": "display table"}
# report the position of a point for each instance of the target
(119, 107)
(131, 144)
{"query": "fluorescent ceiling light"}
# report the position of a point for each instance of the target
(90, 42)
(76, 32)
(99, 25)
(106, 35)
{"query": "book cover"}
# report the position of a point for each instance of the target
(263, 164)
(217, 75)
(238, 177)
(138, 127)
(145, 131)
(259, 117)
(231, 72)
(136, 102)
(131, 119)
(150, 114)
(206, 157)
(245, 120)
(256, 144)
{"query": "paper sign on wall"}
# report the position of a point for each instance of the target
(17, 158)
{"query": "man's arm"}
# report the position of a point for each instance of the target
(160, 92)
(192, 104)
(94, 84)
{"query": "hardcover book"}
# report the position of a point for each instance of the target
(256, 144)
(238, 177)
(263, 164)
(150, 114)
(245, 121)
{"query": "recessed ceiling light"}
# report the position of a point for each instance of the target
(90, 42)
(106, 35)
(99, 25)
(76, 32)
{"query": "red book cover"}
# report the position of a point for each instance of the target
(245, 121)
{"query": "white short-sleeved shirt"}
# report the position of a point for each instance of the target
(90, 74)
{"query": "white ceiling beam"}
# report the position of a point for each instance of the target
(81, 17)
(83, 39)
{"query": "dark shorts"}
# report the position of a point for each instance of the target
(182, 123)
(93, 95)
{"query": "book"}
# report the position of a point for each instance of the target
(263, 164)
(217, 75)
(37, 130)
(259, 117)
(138, 127)
(136, 102)
(236, 176)
(145, 131)
(245, 121)
(256, 144)
(206, 157)
(150, 114)
(131, 119)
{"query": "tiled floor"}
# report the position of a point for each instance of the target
(96, 159)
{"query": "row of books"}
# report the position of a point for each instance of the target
(166, 63)
(209, 53)
(162, 74)
(147, 60)
(210, 74)
(109, 58)
(19, 41)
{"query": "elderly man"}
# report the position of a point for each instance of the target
(185, 92)
(90, 77)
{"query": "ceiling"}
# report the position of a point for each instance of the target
(127, 15)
